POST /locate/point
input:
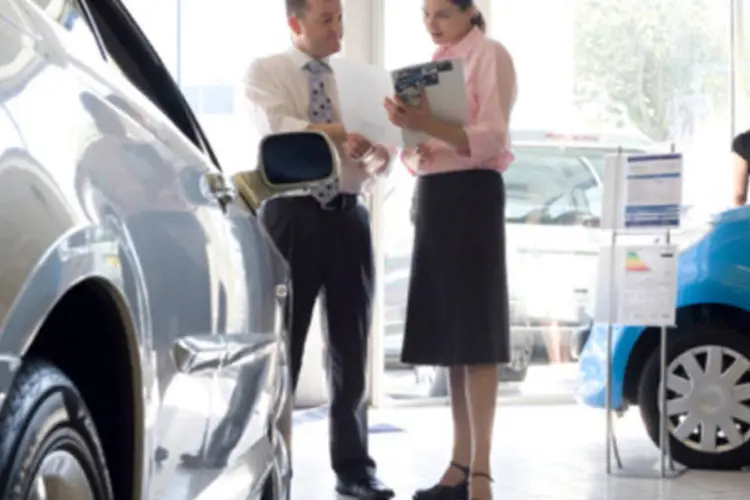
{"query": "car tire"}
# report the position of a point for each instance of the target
(48, 440)
(716, 395)
(439, 387)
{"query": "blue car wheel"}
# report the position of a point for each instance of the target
(708, 398)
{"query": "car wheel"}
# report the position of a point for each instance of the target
(512, 373)
(48, 445)
(518, 368)
(708, 399)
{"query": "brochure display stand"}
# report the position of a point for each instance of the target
(637, 283)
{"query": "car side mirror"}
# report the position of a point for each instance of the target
(289, 164)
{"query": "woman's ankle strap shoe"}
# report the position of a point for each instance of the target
(443, 492)
(446, 492)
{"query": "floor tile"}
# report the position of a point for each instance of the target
(540, 453)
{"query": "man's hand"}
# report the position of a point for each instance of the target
(357, 146)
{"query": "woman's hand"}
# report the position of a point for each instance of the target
(409, 117)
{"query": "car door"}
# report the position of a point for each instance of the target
(239, 355)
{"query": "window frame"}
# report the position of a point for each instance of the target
(82, 9)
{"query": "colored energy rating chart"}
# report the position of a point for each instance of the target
(634, 263)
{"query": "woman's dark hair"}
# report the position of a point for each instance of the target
(478, 19)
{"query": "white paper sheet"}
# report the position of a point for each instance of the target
(644, 287)
(654, 191)
(642, 191)
(362, 90)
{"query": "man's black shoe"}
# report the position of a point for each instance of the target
(363, 487)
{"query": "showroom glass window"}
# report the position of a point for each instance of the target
(743, 66)
(623, 76)
(207, 45)
(629, 74)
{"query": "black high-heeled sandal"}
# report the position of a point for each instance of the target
(482, 475)
(445, 492)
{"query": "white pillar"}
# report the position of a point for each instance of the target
(363, 35)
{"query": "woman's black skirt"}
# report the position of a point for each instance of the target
(457, 311)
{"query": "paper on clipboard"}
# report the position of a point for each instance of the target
(445, 88)
(362, 89)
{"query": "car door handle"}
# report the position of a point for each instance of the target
(220, 188)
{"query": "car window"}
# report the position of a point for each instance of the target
(71, 17)
(132, 53)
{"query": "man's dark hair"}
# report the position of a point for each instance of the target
(296, 7)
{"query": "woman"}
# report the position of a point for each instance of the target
(457, 313)
(741, 154)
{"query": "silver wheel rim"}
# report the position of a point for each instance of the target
(61, 477)
(708, 399)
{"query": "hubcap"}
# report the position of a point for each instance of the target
(708, 399)
(61, 477)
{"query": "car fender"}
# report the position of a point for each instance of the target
(715, 271)
(82, 253)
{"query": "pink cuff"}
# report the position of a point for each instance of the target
(484, 142)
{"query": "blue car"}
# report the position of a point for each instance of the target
(708, 355)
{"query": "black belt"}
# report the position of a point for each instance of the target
(342, 202)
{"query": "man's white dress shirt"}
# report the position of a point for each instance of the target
(277, 92)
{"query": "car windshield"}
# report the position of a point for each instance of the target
(547, 183)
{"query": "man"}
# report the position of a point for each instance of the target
(325, 237)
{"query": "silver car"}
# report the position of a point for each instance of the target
(142, 341)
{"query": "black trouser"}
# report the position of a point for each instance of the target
(330, 251)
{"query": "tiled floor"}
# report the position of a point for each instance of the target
(541, 453)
